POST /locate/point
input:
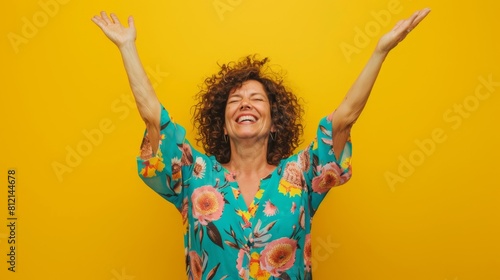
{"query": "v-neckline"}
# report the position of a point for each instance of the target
(242, 205)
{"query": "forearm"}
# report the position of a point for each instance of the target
(146, 100)
(357, 96)
(354, 102)
(140, 85)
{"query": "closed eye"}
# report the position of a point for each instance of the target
(234, 100)
(258, 97)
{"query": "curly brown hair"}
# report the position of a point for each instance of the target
(286, 111)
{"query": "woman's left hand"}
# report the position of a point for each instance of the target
(400, 31)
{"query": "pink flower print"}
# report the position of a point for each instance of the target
(302, 217)
(270, 209)
(291, 183)
(305, 160)
(208, 204)
(230, 177)
(308, 252)
(242, 273)
(329, 177)
(278, 256)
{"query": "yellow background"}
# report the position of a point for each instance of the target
(62, 81)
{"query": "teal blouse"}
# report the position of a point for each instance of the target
(224, 238)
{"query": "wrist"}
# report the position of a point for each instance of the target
(127, 46)
(380, 54)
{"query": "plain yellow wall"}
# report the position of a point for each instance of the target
(424, 201)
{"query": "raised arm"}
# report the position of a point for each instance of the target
(357, 96)
(144, 94)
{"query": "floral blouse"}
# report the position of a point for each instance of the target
(224, 238)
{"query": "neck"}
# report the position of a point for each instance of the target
(249, 159)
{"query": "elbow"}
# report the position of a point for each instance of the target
(345, 117)
(149, 110)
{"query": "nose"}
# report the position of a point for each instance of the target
(245, 104)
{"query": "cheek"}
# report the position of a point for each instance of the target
(227, 117)
(229, 110)
(270, 114)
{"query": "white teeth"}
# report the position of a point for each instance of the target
(246, 118)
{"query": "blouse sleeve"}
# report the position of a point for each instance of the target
(322, 170)
(166, 170)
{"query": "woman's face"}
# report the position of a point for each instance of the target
(248, 112)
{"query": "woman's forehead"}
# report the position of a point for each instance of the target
(250, 87)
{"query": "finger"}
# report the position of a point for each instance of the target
(97, 20)
(398, 24)
(422, 14)
(105, 17)
(406, 25)
(409, 21)
(131, 22)
(115, 18)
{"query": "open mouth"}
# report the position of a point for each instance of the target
(246, 119)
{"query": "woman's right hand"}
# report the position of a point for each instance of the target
(114, 30)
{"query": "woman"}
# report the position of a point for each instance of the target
(247, 203)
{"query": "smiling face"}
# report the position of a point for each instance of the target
(248, 112)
